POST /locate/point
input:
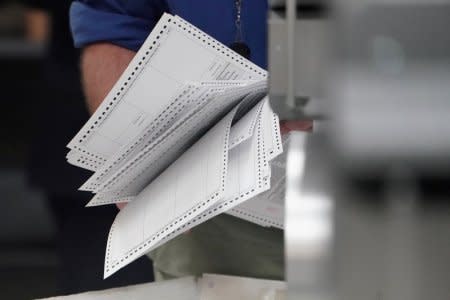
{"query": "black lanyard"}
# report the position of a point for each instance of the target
(239, 45)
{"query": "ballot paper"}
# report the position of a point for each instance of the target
(267, 209)
(182, 136)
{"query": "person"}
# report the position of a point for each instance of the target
(81, 233)
(110, 32)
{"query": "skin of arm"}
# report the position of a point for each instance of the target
(101, 66)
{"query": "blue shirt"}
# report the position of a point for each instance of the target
(127, 23)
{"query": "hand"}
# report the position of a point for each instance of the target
(101, 66)
(288, 126)
(121, 205)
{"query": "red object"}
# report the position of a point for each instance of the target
(287, 126)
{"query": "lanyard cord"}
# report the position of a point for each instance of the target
(239, 45)
(238, 4)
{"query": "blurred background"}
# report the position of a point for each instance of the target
(49, 244)
(28, 260)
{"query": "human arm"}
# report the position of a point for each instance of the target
(288, 126)
(109, 32)
(101, 66)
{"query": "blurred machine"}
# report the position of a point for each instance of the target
(368, 193)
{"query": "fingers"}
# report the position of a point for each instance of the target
(288, 126)
(121, 205)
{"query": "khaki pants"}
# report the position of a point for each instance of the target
(222, 245)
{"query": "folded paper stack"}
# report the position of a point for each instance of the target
(186, 133)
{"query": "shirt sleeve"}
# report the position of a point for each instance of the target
(125, 23)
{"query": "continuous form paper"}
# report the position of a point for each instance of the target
(189, 101)
(101, 179)
(267, 209)
(213, 102)
(241, 164)
(181, 141)
(244, 178)
(82, 161)
(126, 182)
(156, 73)
(247, 175)
(191, 184)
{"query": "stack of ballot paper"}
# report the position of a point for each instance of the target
(185, 134)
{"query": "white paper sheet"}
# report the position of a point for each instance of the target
(152, 79)
(188, 100)
(183, 137)
(83, 161)
(245, 177)
(146, 165)
(244, 180)
(267, 209)
(191, 184)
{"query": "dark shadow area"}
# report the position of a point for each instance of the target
(49, 243)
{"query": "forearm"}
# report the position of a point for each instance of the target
(101, 66)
